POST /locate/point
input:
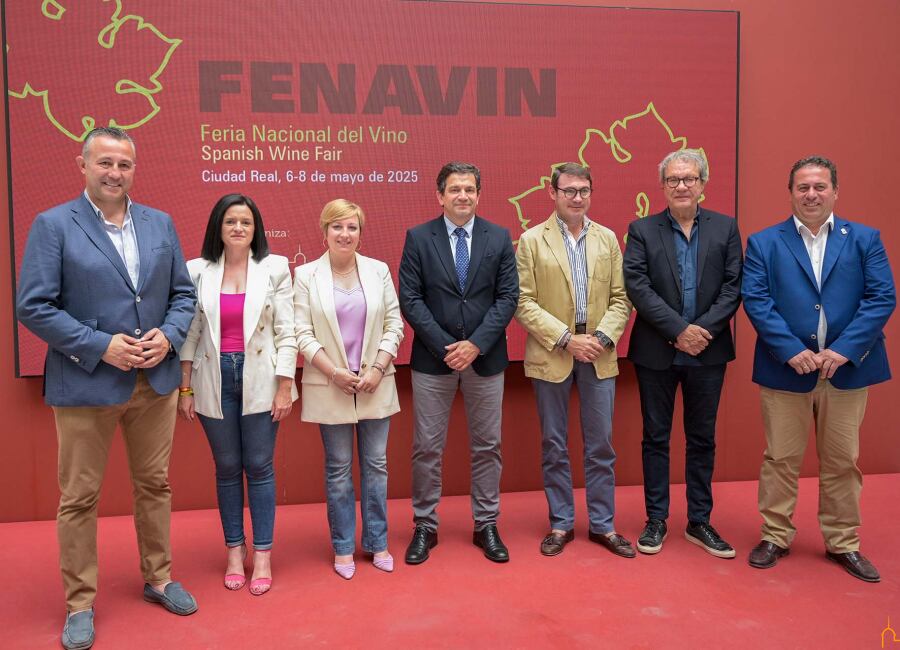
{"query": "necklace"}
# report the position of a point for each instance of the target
(343, 274)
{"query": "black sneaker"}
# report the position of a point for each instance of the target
(651, 540)
(705, 536)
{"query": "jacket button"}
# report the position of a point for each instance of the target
(813, 337)
(258, 350)
(137, 299)
(818, 307)
(261, 328)
(137, 332)
(75, 359)
(363, 366)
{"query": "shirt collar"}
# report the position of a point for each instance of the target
(468, 226)
(800, 226)
(99, 212)
(674, 222)
(565, 229)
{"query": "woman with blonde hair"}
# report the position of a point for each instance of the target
(348, 330)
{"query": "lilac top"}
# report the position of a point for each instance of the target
(231, 310)
(351, 315)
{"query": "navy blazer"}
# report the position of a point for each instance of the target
(440, 314)
(653, 285)
(783, 302)
(75, 293)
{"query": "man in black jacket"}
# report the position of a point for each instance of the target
(683, 275)
(459, 289)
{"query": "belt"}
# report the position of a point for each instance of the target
(581, 328)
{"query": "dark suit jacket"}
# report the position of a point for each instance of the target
(75, 293)
(653, 285)
(440, 314)
(783, 302)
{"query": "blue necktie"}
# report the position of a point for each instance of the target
(462, 257)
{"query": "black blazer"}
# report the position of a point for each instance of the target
(440, 314)
(653, 285)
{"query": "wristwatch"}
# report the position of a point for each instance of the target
(604, 340)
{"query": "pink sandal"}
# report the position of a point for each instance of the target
(234, 581)
(260, 586)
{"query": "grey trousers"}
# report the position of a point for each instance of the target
(432, 399)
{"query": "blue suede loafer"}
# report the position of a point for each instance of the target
(175, 598)
(78, 632)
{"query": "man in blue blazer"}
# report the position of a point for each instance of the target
(104, 283)
(819, 290)
(458, 291)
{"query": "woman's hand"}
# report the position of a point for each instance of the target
(186, 407)
(345, 380)
(370, 380)
(281, 406)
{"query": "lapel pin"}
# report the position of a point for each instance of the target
(843, 231)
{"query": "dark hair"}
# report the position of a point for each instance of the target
(814, 161)
(213, 247)
(104, 131)
(572, 169)
(457, 168)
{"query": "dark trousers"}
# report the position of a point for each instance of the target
(701, 387)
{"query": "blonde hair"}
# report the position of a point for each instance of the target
(340, 209)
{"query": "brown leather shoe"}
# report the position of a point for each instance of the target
(554, 543)
(856, 565)
(615, 543)
(765, 555)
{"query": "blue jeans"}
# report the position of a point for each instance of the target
(596, 397)
(371, 437)
(242, 444)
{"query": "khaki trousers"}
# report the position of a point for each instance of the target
(84, 434)
(787, 417)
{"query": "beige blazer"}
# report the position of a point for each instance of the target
(317, 328)
(547, 297)
(270, 344)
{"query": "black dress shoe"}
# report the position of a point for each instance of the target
(488, 539)
(423, 540)
(615, 543)
(765, 554)
(554, 543)
(856, 565)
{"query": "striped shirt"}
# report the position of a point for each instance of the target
(577, 266)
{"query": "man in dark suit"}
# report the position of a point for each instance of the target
(819, 291)
(683, 275)
(458, 290)
(104, 283)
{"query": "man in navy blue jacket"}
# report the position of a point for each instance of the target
(819, 290)
(458, 291)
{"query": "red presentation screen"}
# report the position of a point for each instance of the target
(296, 103)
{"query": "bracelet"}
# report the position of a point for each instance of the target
(378, 367)
(185, 392)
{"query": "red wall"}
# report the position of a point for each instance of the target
(816, 77)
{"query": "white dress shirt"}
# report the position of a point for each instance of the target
(815, 246)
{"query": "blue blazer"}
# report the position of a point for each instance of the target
(783, 302)
(440, 314)
(75, 293)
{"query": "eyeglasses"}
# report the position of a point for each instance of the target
(675, 181)
(570, 192)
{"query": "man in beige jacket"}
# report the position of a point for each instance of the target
(573, 305)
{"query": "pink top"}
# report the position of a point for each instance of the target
(351, 315)
(231, 310)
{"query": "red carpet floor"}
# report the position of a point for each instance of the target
(584, 598)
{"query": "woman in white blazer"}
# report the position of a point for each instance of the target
(238, 364)
(348, 331)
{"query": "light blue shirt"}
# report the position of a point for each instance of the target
(468, 226)
(124, 239)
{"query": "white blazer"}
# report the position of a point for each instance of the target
(270, 344)
(317, 328)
